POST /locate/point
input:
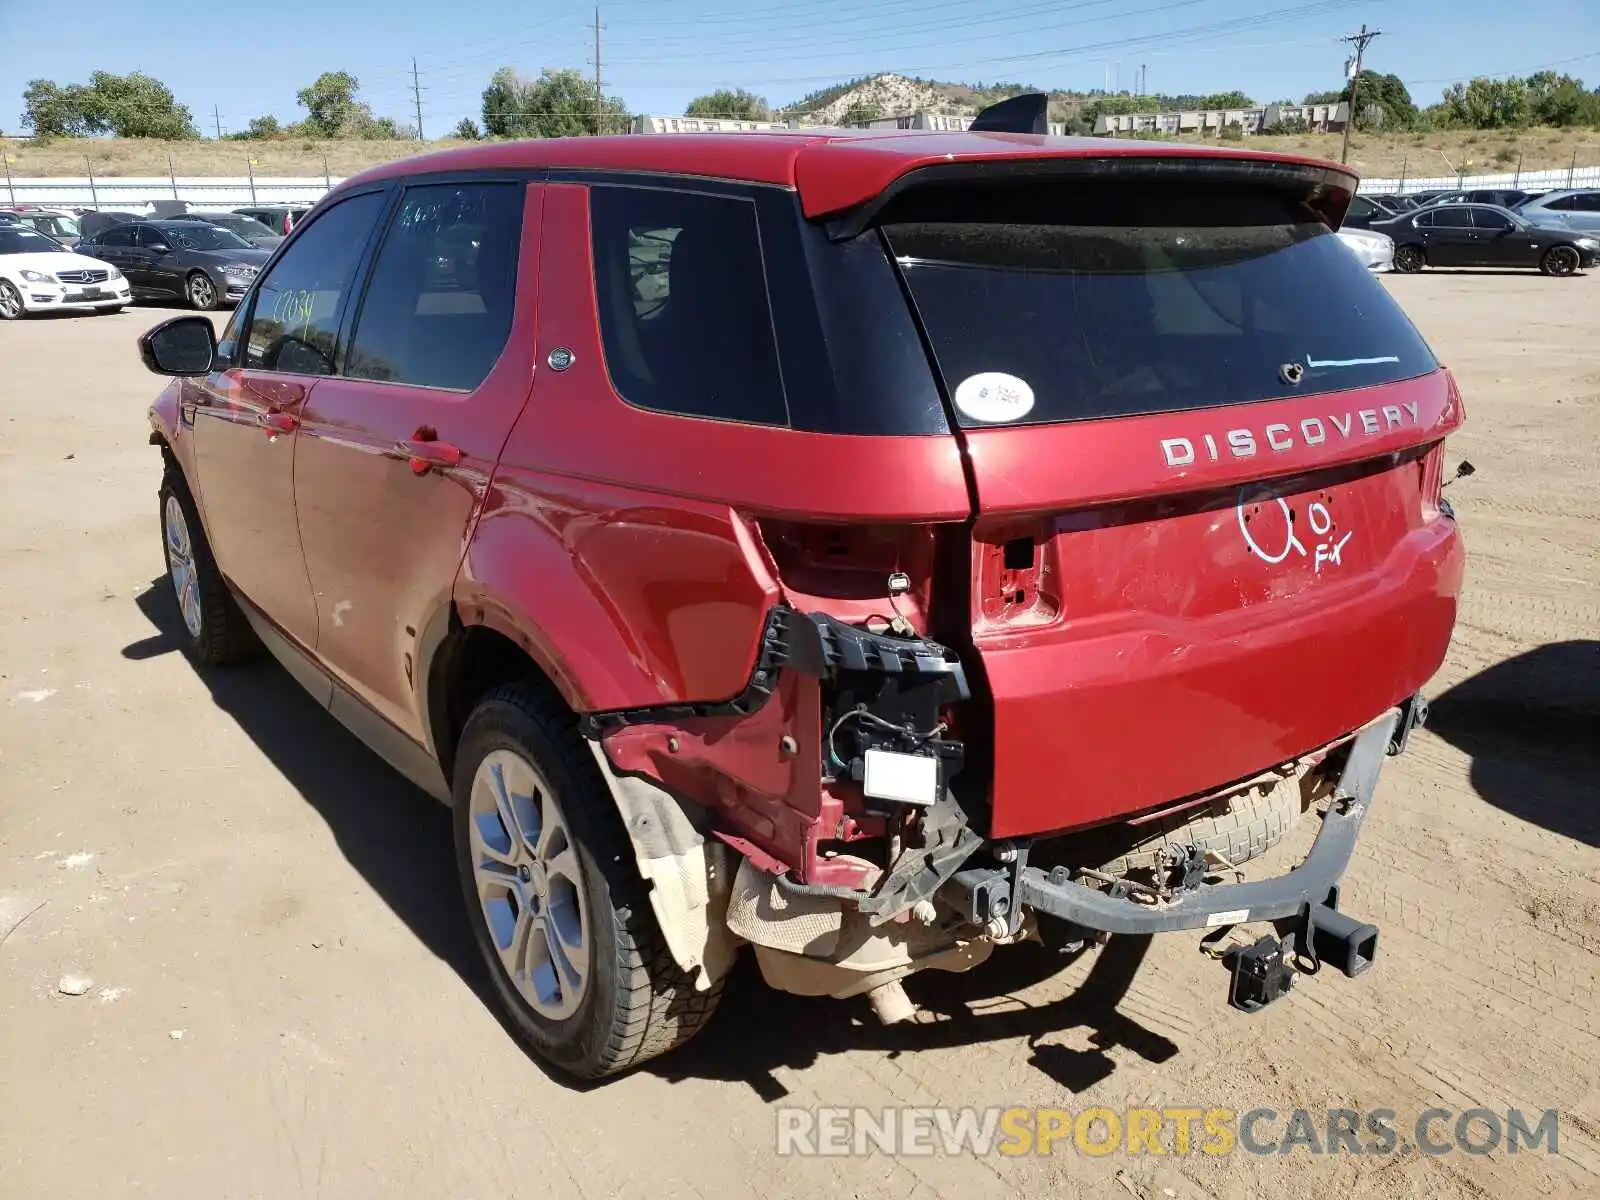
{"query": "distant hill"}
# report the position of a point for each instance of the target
(893, 95)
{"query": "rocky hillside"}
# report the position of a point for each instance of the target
(892, 95)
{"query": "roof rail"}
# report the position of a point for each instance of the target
(1027, 113)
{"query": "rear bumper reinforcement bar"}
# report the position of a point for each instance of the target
(987, 894)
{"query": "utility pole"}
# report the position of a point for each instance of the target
(217, 117)
(599, 96)
(416, 92)
(1360, 41)
(1144, 79)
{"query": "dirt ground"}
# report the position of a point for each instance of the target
(282, 1000)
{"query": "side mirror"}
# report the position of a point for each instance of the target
(181, 346)
(159, 248)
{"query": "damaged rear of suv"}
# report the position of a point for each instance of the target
(910, 545)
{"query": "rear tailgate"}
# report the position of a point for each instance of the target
(1205, 451)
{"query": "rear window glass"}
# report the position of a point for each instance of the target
(1149, 306)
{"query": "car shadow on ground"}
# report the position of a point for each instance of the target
(399, 839)
(1532, 727)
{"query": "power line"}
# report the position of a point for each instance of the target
(1359, 40)
(1560, 62)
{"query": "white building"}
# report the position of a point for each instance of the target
(1210, 122)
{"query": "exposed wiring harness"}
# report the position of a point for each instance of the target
(861, 713)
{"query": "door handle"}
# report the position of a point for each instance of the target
(424, 452)
(279, 422)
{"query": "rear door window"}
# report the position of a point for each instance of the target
(1142, 304)
(1454, 217)
(684, 312)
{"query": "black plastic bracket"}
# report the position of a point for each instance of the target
(814, 644)
(1413, 715)
(1262, 972)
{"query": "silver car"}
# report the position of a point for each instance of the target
(1578, 208)
(1375, 251)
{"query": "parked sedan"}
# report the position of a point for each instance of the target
(1503, 197)
(278, 218)
(201, 264)
(1574, 208)
(1484, 235)
(39, 274)
(1374, 251)
(250, 229)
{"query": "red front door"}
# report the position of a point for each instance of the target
(394, 455)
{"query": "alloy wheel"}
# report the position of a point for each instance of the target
(1408, 258)
(180, 566)
(201, 292)
(10, 302)
(530, 884)
(1562, 260)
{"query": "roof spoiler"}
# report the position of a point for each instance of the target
(1027, 113)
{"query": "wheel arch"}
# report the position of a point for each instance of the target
(687, 871)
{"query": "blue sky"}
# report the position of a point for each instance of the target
(250, 60)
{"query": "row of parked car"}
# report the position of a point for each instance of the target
(95, 261)
(1557, 232)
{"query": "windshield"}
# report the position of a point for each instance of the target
(1151, 304)
(55, 226)
(14, 239)
(244, 226)
(196, 235)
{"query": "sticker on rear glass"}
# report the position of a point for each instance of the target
(993, 397)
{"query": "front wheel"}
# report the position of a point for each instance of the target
(214, 629)
(11, 306)
(1409, 259)
(556, 905)
(200, 291)
(1560, 261)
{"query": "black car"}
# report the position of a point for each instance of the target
(1485, 235)
(280, 218)
(1502, 197)
(93, 222)
(250, 229)
(202, 264)
(1364, 210)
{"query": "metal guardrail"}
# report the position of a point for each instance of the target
(121, 191)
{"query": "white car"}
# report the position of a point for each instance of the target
(1375, 251)
(39, 274)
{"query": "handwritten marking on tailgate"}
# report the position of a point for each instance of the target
(1324, 553)
(1280, 436)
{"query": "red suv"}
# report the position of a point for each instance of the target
(872, 548)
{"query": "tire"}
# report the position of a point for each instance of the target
(214, 630)
(11, 305)
(200, 292)
(1408, 260)
(632, 1001)
(1560, 262)
(1239, 828)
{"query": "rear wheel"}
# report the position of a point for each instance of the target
(1409, 259)
(11, 306)
(556, 905)
(1560, 261)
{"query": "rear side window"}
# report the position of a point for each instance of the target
(294, 323)
(438, 307)
(1563, 203)
(684, 312)
(1452, 218)
(1143, 302)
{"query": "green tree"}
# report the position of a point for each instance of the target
(264, 127)
(859, 112)
(53, 111)
(1561, 100)
(1234, 99)
(1323, 97)
(467, 130)
(136, 106)
(1382, 101)
(557, 104)
(1484, 104)
(332, 109)
(131, 106)
(739, 104)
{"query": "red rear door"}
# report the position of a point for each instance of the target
(1205, 451)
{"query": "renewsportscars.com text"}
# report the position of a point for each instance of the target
(1174, 1130)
